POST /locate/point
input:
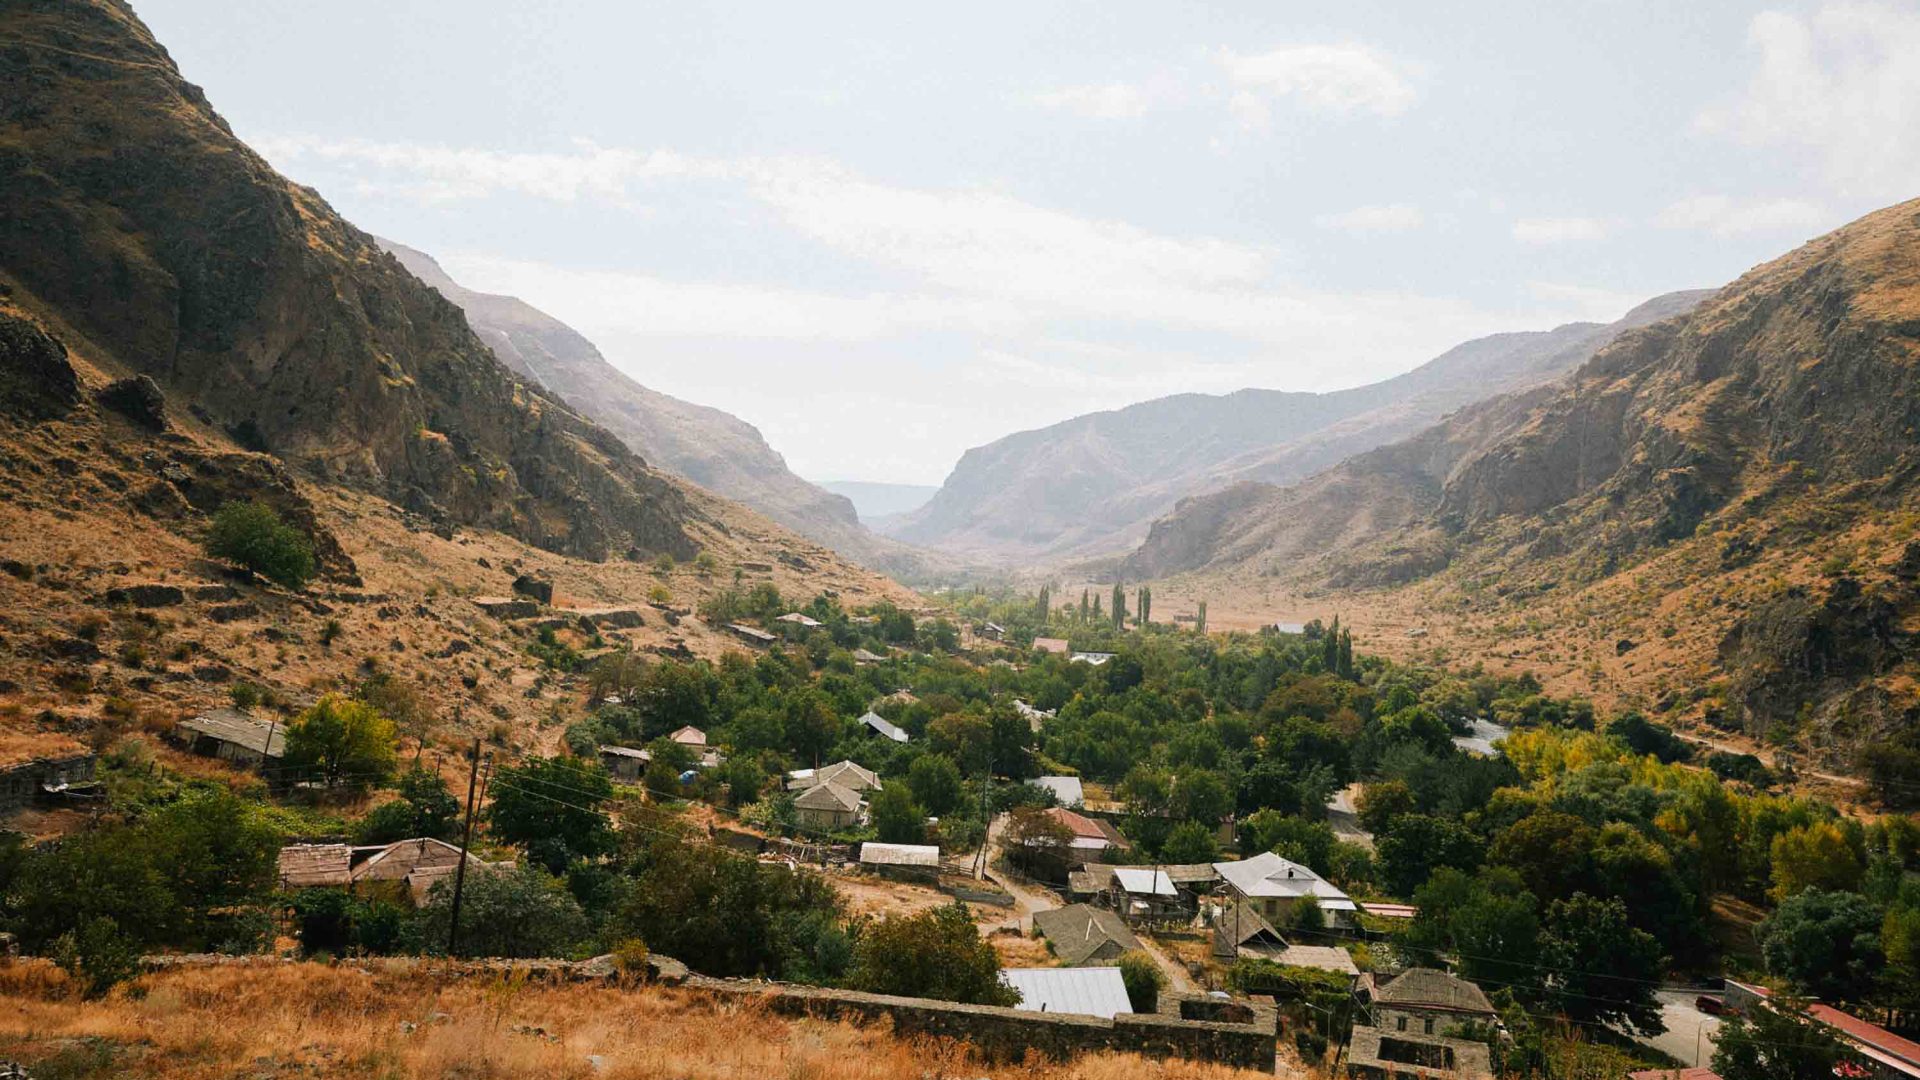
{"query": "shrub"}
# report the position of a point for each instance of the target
(1144, 980)
(252, 535)
(521, 913)
(937, 954)
(97, 955)
(342, 741)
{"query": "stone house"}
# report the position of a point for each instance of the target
(231, 735)
(1428, 1001)
(827, 805)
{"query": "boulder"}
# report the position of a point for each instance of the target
(537, 588)
(506, 607)
(36, 381)
(147, 596)
(138, 399)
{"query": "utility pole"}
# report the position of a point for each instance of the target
(266, 748)
(466, 838)
(986, 814)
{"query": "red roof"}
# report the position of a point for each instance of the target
(1675, 1074)
(1079, 823)
(1904, 1053)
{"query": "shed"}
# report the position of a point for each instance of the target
(862, 656)
(908, 861)
(1057, 646)
(797, 619)
(1083, 991)
(306, 866)
(689, 736)
(625, 763)
(880, 725)
(1239, 930)
(1082, 934)
(1144, 881)
(752, 635)
(232, 735)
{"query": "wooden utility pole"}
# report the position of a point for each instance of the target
(466, 838)
(266, 748)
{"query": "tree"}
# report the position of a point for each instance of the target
(425, 808)
(1549, 850)
(941, 635)
(340, 740)
(966, 738)
(551, 808)
(1490, 922)
(1827, 944)
(1602, 969)
(520, 913)
(1146, 606)
(252, 534)
(896, 817)
(936, 783)
(1818, 856)
(1416, 845)
(1033, 835)
(1190, 842)
(1119, 611)
(1776, 1042)
(1381, 802)
(1043, 607)
(932, 954)
(719, 912)
(1144, 980)
(1201, 795)
(1309, 843)
(1200, 618)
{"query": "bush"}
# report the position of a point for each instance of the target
(97, 955)
(252, 535)
(1144, 980)
(521, 913)
(935, 954)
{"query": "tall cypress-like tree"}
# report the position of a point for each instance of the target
(1200, 619)
(1097, 616)
(1119, 606)
(1330, 648)
(1045, 606)
(1346, 654)
(1146, 606)
(1083, 606)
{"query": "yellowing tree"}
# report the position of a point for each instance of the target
(1820, 855)
(341, 741)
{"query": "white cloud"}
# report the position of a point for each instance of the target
(1725, 216)
(1321, 78)
(1392, 217)
(1558, 230)
(1842, 84)
(1106, 101)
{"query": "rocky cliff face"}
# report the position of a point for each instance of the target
(136, 216)
(1095, 483)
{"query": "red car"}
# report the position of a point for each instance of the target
(1710, 1005)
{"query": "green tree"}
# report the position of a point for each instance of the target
(550, 807)
(1826, 944)
(1490, 922)
(1200, 618)
(1776, 1042)
(1381, 802)
(1416, 845)
(425, 808)
(341, 741)
(896, 817)
(1190, 842)
(1144, 980)
(1603, 969)
(252, 535)
(1823, 855)
(933, 954)
(1309, 843)
(520, 913)
(716, 911)
(936, 783)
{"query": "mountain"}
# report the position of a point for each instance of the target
(1724, 500)
(1094, 484)
(873, 500)
(181, 328)
(712, 448)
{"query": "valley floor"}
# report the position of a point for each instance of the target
(313, 1019)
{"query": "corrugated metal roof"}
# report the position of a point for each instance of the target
(899, 855)
(1087, 991)
(884, 726)
(1268, 874)
(1066, 789)
(1142, 880)
(233, 726)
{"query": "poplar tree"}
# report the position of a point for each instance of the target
(1083, 605)
(1119, 607)
(1045, 605)
(1346, 654)
(1330, 647)
(1200, 619)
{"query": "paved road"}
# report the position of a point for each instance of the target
(1345, 820)
(1689, 1035)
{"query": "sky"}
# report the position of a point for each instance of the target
(884, 233)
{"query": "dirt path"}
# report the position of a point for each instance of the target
(1027, 899)
(1177, 977)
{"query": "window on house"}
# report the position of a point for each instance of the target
(1429, 1025)
(1403, 1023)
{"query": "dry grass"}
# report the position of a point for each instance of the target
(302, 1020)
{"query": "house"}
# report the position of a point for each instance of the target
(752, 635)
(59, 767)
(624, 763)
(863, 657)
(1081, 934)
(1289, 628)
(1079, 991)
(903, 862)
(880, 725)
(1093, 659)
(827, 805)
(1694, 1073)
(1320, 957)
(1429, 1001)
(844, 773)
(1034, 717)
(1373, 1054)
(1144, 891)
(800, 620)
(1054, 645)
(993, 631)
(1272, 886)
(690, 736)
(1887, 1056)
(1239, 930)
(1066, 790)
(309, 866)
(231, 735)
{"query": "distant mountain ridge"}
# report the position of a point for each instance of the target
(712, 448)
(1092, 485)
(1727, 498)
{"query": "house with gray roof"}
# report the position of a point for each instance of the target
(1274, 886)
(880, 725)
(827, 805)
(231, 735)
(1081, 934)
(1429, 1001)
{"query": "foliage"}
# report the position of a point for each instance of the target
(519, 912)
(1823, 855)
(1826, 944)
(936, 783)
(1144, 980)
(1604, 970)
(1190, 842)
(1416, 845)
(97, 955)
(425, 808)
(896, 817)
(934, 954)
(1776, 1042)
(551, 808)
(253, 535)
(341, 741)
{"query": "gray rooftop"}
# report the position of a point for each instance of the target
(234, 726)
(1089, 991)
(1431, 988)
(884, 726)
(1077, 931)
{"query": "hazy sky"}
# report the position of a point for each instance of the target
(887, 232)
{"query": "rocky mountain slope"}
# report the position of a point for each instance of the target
(1092, 485)
(181, 327)
(714, 449)
(1717, 511)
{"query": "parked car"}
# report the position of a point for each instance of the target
(1710, 1005)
